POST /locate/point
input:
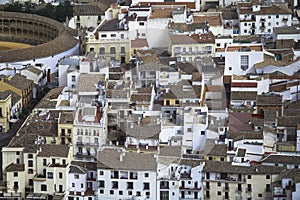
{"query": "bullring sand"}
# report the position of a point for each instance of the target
(4, 46)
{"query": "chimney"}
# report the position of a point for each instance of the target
(121, 156)
(48, 76)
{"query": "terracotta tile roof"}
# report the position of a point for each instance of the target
(139, 43)
(193, 38)
(161, 13)
(227, 167)
(212, 19)
(239, 122)
(250, 47)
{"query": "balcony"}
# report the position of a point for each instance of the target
(238, 190)
(248, 189)
(40, 177)
(225, 189)
(190, 188)
(15, 187)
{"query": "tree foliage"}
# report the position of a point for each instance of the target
(60, 13)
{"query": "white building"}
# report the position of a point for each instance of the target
(195, 125)
(258, 19)
(81, 180)
(126, 175)
(240, 58)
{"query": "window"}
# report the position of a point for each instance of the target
(244, 62)
(129, 185)
(122, 36)
(129, 192)
(30, 182)
(15, 174)
(101, 191)
(101, 173)
(141, 23)
(101, 184)
(269, 17)
(112, 50)
(102, 50)
(30, 156)
(146, 174)
(189, 129)
(44, 162)
(208, 49)
(230, 68)
(76, 176)
(114, 185)
(259, 195)
(202, 132)
(120, 192)
(103, 35)
(30, 171)
(138, 193)
(60, 175)
(245, 24)
(146, 186)
(113, 35)
(123, 50)
(184, 50)
(269, 24)
(111, 192)
(30, 163)
(81, 185)
(17, 153)
(73, 78)
(50, 175)
(219, 184)
(219, 193)
(43, 187)
(267, 176)
(249, 176)
(73, 184)
(277, 16)
(177, 50)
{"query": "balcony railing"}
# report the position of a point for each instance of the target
(248, 189)
(226, 189)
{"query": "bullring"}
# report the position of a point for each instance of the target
(48, 37)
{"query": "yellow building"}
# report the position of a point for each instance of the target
(65, 128)
(110, 41)
(18, 84)
(222, 180)
(217, 153)
(192, 47)
(5, 108)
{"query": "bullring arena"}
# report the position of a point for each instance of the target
(34, 39)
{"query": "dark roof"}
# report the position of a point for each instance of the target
(269, 100)
(229, 15)
(236, 95)
(227, 167)
(149, 131)
(82, 167)
(48, 100)
(4, 95)
(110, 25)
(54, 150)
(218, 150)
(87, 9)
(66, 117)
(284, 159)
(288, 121)
(131, 161)
(15, 167)
(19, 81)
(250, 135)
